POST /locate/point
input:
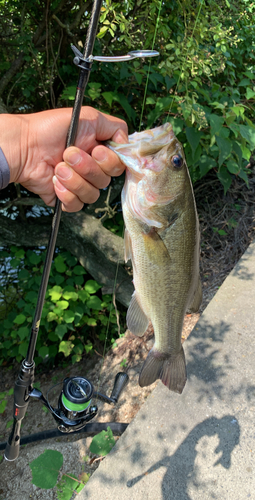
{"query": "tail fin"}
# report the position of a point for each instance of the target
(171, 369)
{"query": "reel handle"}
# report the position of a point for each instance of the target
(120, 382)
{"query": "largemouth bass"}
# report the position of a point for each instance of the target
(162, 239)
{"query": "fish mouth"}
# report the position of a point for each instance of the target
(133, 154)
(161, 135)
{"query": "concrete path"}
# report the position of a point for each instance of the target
(200, 445)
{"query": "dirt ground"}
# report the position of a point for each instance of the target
(234, 214)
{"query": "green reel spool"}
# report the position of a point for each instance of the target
(75, 398)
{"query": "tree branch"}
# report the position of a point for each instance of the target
(8, 76)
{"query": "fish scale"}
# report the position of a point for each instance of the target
(163, 241)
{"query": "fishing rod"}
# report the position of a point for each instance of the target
(75, 408)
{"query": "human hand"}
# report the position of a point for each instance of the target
(40, 167)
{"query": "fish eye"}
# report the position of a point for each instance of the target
(177, 161)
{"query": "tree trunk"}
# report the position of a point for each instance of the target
(97, 249)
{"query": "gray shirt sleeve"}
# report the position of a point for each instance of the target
(4, 171)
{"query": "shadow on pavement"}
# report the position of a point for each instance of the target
(181, 469)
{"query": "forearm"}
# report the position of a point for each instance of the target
(13, 142)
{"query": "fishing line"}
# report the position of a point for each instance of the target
(185, 60)
(148, 74)
(113, 303)
(108, 323)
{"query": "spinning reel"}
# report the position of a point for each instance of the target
(75, 407)
(74, 410)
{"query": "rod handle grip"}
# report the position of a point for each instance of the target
(120, 382)
(13, 444)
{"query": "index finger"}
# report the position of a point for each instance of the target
(96, 127)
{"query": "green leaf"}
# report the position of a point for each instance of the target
(216, 123)
(122, 100)
(45, 469)
(193, 136)
(67, 486)
(91, 322)
(69, 316)
(15, 263)
(225, 147)
(83, 295)
(43, 351)
(205, 164)
(244, 82)
(52, 336)
(225, 178)
(88, 348)
(19, 319)
(7, 324)
(249, 93)
(108, 96)
(248, 133)
(61, 330)
(9, 423)
(246, 153)
(70, 294)
(34, 258)
(60, 264)
(52, 316)
(69, 93)
(23, 349)
(71, 260)
(55, 293)
(78, 280)
(94, 303)
(66, 347)
(92, 286)
(238, 110)
(139, 77)
(58, 311)
(177, 125)
(3, 405)
(23, 332)
(59, 279)
(20, 253)
(53, 351)
(102, 31)
(78, 315)
(238, 152)
(102, 443)
(62, 304)
(232, 166)
(244, 176)
(23, 274)
(79, 270)
(31, 297)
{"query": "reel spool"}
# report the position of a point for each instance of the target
(75, 398)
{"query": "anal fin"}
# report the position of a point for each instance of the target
(137, 321)
(197, 299)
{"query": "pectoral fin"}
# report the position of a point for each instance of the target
(127, 246)
(137, 321)
(156, 248)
